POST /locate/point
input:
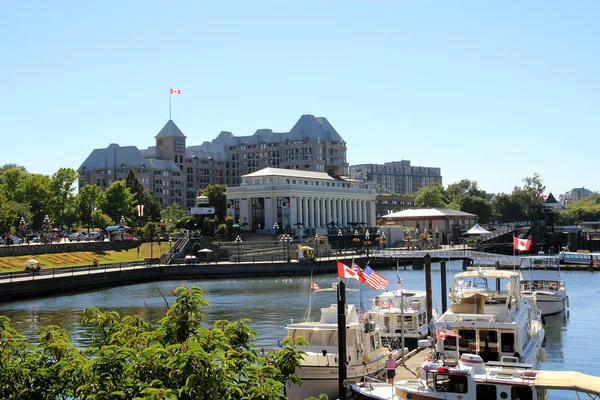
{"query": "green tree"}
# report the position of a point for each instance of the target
(6, 167)
(118, 202)
(456, 191)
(217, 199)
(37, 193)
(13, 183)
(478, 206)
(101, 220)
(173, 214)
(431, 196)
(90, 198)
(61, 192)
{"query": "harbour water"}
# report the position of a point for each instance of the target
(270, 303)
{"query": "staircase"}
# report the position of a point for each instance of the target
(176, 248)
(497, 233)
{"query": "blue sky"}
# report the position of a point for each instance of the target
(488, 91)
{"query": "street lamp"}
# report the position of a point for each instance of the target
(383, 240)
(286, 239)
(46, 227)
(356, 240)
(238, 241)
(339, 240)
(437, 236)
(122, 220)
(366, 240)
(316, 245)
(276, 228)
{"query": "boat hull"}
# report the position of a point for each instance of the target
(318, 380)
(550, 304)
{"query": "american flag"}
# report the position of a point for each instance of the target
(375, 280)
(451, 332)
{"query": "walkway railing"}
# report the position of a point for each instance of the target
(476, 256)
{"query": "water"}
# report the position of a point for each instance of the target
(270, 303)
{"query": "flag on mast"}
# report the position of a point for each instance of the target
(521, 244)
(175, 91)
(314, 286)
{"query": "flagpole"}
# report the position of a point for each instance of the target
(170, 102)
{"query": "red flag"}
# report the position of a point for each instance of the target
(345, 271)
(521, 244)
(175, 91)
(314, 286)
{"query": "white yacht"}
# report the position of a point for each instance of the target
(488, 316)
(403, 317)
(472, 379)
(541, 281)
(365, 352)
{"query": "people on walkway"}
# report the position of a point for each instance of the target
(390, 366)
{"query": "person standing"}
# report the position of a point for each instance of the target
(390, 366)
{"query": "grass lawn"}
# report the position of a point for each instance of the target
(57, 260)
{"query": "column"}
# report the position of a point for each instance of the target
(304, 212)
(269, 206)
(334, 211)
(317, 212)
(372, 216)
(293, 212)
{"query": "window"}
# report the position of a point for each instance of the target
(451, 383)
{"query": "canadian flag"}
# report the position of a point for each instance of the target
(314, 286)
(521, 244)
(175, 91)
(345, 271)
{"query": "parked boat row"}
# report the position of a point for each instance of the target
(493, 327)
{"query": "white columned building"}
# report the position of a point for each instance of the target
(296, 199)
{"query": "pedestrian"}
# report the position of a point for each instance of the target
(390, 366)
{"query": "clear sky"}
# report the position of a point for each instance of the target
(488, 91)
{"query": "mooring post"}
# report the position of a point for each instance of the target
(341, 306)
(427, 260)
(443, 286)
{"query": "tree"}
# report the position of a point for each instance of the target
(456, 191)
(61, 192)
(172, 214)
(90, 197)
(130, 359)
(101, 220)
(12, 184)
(478, 206)
(509, 208)
(6, 167)
(37, 193)
(217, 199)
(431, 196)
(118, 202)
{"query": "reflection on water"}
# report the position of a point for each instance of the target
(270, 303)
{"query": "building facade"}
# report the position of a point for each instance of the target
(391, 203)
(175, 171)
(300, 199)
(573, 196)
(397, 176)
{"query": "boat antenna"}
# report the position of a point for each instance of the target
(310, 301)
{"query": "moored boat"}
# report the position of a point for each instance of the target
(541, 282)
(403, 317)
(472, 379)
(489, 316)
(365, 353)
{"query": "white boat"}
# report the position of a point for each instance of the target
(472, 379)
(541, 281)
(403, 317)
(489, 316)
(318, 371)
(578, 258)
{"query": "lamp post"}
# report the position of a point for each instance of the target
(356, 237)
(46, 227)
(122, 222)
(285, 239)
(238, 241)
(383, 240)
(437, 236)
(378, 233)
(316, 245)
(276, 228)
(366, 240)
(339, 240)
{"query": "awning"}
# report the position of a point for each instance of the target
(205, 251)
(568, 380)
(31, 262)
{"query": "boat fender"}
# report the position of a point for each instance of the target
(542, 354)
(567, 301)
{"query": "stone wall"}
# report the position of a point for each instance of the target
(33, 249)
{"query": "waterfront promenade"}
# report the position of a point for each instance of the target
(48, 282)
